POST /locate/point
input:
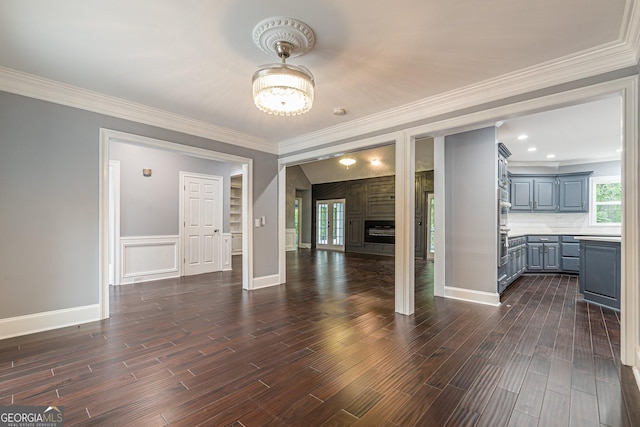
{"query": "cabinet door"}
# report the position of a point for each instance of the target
(355, 198)
(534, 256)
(381, 199)
(574, 194)
(355, 230)
(544, 194)
(521, 194)
(551, 256)
(600, 273)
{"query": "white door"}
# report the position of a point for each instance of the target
(202, 236)
(330, 224)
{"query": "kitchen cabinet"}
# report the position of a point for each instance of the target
(573, 193)
(600, 271)
(354, 211)
(516, 263)
(550, 193)
(503, 166)
(533, 194)
(543, 253)
(570, 254)
(355, 230)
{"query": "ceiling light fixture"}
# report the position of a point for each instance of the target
(522, 137)
(283, 89)
(550, 156)
(531, 149)
(375, 162)
(347, 161)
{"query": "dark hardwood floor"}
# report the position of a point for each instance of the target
(327, 349)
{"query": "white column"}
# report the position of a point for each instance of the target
(439, 221)
(405, 226)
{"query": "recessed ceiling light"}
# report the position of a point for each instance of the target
(375, 162)
(339, 111)
(550, 156)
(522, 137)
(531, 149)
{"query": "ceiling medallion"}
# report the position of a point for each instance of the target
(283, 89)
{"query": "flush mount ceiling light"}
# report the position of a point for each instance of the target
(283, 89)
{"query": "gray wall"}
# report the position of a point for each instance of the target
(471, 210)
(49, 195)
(298, 185)
(149, 205)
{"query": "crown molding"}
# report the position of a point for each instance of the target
(32, 86)
(611, 57)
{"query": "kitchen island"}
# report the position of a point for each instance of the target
(600, 270)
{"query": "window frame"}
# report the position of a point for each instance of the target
(593, 212)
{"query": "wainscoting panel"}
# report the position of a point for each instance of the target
(291, 241)
(226, 251)
(146, 258)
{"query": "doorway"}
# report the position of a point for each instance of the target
(330, 224)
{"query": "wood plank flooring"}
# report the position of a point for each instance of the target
(327, 349)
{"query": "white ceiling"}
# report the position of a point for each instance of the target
(196, 58)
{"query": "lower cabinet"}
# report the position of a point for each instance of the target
(543, 253)
(600, 272)
(516, 263)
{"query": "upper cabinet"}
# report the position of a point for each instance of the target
(550, 193)
(574, 193)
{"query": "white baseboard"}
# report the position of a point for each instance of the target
(290, 239)
(38, 322)
(304, 245)
(266, 281)
(478, 297)
(146, 258)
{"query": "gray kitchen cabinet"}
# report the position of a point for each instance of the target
(570, 254)
(521, 194)
(543, 253)
(550, 193)
(544, 194)
(573, 193)
(516, 263)
(600, 272)
(533, 194)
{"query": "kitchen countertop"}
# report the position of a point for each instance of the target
(600, 238)
(555, 233)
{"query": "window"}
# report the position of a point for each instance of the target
(606, 201)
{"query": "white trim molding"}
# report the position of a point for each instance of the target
(479, 297)
(266, 281)
(291, 241)
(46, 321)
(146, 258)
(33, 86)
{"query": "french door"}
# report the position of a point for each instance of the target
(330, 224)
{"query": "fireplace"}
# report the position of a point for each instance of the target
(379, 231)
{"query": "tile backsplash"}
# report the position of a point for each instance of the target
(556, 223)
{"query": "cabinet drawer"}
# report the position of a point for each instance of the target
(570, 264)
(571, 249)
(542, 239)
(570, 239)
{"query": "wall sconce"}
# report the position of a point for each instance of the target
(146, 172)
